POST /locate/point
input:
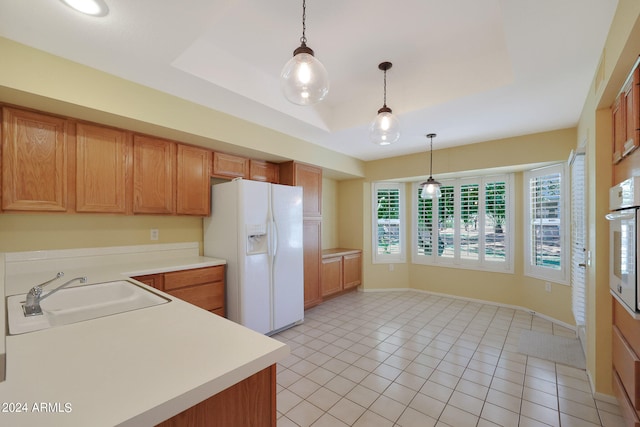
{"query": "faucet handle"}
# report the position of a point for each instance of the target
(59, 275)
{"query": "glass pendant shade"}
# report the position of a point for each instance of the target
(304, 79)
(430, 189)
(385, 129)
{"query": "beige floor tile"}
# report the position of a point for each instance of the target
(413, 418)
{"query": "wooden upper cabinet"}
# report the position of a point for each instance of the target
(193, 196)
(153, 175)
(625, 116)
(310, 179)
(631, 97)
(264, 171)
(230, 166)
(34, 161)
(102, 156)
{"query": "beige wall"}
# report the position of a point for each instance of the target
(30, 232)
(512, 289)
(594, 130)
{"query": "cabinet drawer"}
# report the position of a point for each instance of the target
(627, 325)
(627, 364)
(209, 296)
(196, 276)
(629, 413)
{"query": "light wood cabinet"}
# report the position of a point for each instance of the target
(312, 246)
(230, 166)
(352, 270)
(102, 160)
(251, 402)
(625, 113)
(626, 363)
(331, 282)
(341, 270)
(203, 287)
(153, 175)
(34, 161)
(310, 179)
(193, 193)
(264, 171)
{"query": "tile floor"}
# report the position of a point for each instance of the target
(413, 359)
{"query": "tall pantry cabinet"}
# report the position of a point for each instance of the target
(310, 179)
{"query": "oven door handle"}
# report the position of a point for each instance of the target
(621, 215)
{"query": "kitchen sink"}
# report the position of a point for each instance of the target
(80, 303)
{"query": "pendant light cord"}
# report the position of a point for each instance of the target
(384, 104)
(431, 158)
(303, 39)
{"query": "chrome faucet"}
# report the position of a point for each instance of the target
(32, 307)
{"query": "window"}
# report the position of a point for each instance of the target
(388, 221)
(545, 228)
(472, 228)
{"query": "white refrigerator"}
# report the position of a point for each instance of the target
(257, 228)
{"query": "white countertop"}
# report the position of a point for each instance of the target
(132, 369)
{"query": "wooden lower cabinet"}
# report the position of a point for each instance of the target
(251, 402)
(203, 287)
(626, 363)
(341, 270)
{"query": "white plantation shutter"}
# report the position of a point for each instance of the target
(545, 226)
(472, 228)
(469, 241)
(578, 234)
(388, 233)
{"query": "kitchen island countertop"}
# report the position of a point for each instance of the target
(132, 369)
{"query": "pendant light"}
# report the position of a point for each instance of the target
(304, 79)
(430, 188)
(385, 129)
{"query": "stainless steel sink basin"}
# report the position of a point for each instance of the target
(81, 303)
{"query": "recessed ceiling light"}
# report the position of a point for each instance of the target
(89, 7)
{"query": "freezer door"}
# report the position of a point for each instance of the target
(254, 271)
(287, 268)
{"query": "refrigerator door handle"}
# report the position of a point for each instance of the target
(274, 233)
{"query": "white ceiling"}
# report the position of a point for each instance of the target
(468, 70)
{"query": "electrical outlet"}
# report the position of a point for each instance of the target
(155, 234)
(547, 286)
(390, 267)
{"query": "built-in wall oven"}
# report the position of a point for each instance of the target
(624, 281)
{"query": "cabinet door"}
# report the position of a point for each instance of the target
(310, 179)
(331, 275)
(632, 112)
(153, 280)
(312, 240)
(34, 161)
(102, 156)
(352, 270)
(153, 175)
(193, 192)
(230, 166)
(263, 171)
